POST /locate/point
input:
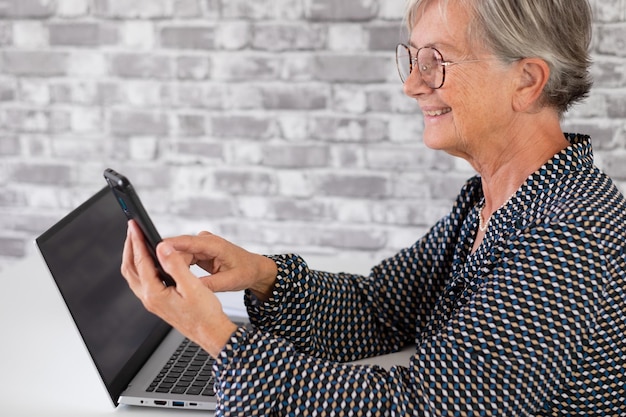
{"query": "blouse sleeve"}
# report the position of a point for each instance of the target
(512, 339)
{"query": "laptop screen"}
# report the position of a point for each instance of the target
(83, 252)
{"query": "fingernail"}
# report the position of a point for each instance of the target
(167, 248)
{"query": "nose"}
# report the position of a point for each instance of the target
(414, 84)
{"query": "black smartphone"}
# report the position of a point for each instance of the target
(133, 209)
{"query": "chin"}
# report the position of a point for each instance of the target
(434, 140)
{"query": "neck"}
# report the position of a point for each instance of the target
(507, 166)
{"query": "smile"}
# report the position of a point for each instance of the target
(433, 113)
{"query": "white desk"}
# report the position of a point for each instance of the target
(44, 368)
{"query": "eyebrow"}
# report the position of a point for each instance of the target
(442, 47)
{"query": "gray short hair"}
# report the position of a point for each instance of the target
(557, 31)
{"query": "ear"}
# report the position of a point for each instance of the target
(533, 75)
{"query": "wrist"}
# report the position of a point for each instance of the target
(217, 335)
(264, 286)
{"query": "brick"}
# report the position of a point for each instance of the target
(617, 106)
(232, 35)
(86, 62)
(143, 148)
(34, 91)
(131, 65)
(86, 120)
(23, 120)
(240, 67)
(72, 8)
(596, 105)
(250, 127)
(34, 63)
(42, 174)
(9, 145)
(288, 36)
(295, 184)
(11, 198)
(608, 73)
(406, 129)
(245, 182)
(392, 10)
(143, 94)
(294, 97)
(395, 158)
(350, 10)
(353, 238)
(8, 90)
(353, 185)
(410, 214)
(197, 150)
(74, 92)
(138, 34)
(130, 123)
(244, 153)
(186, 37)
(445, 187)
(347, 129)
(12, 247)
(187, 8)
(347, 156)
(74, 34)
(22, 9)
(108, 93)
(30, 34)
(346, 37)
(6, 33)
(263, 9)
(205, 208)
(349, 99)
(191, 125)
(298, 210)
(192, 95)
(142, 9)
(293, 126)
(385, 37)
(79, 148)
(612, 40)
(615, 165)
(243, 96)
(297, 67)
(602, 133)
(353, 68)
(608, 10)
(290, 156)
(192, 67)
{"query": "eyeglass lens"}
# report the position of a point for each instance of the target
(428, 63)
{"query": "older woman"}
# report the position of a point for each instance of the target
(516, 300)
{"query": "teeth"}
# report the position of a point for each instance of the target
(437, 112)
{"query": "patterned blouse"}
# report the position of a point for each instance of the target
(531, 324)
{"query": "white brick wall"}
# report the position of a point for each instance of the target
(278, 124)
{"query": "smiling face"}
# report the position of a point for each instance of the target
(471, 113)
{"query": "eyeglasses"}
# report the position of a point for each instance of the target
(428, 61)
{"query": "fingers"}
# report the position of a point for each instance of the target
(137, 265)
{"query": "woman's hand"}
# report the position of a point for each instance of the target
(190, 307)
(230, 267)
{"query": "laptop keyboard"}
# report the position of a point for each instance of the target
(188, 371)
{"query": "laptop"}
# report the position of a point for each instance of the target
(132, 349)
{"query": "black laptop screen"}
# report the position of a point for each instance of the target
(83, 252)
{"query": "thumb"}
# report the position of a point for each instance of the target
(175, 264)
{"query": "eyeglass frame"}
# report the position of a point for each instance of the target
(413, 62)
